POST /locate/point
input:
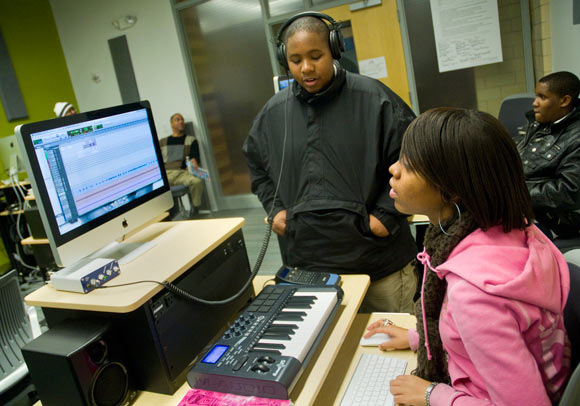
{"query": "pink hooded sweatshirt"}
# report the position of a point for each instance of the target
(501, 321)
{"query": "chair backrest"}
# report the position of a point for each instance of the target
(571, 395)
(572, 256)
(15, 331)
(512, 112)
(566, 245)
(572, 314)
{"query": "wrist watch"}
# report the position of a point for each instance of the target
(428, 393)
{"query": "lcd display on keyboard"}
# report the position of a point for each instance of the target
(369, 385)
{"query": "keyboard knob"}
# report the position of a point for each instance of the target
(260, 367)
(266, 358)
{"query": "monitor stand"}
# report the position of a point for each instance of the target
(123, 252)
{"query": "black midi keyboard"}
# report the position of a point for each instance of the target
(268, 346)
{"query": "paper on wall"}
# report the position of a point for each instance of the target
(466, 33)
(374, 67)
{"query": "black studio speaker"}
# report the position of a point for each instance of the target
(34, 222)
(79, 362)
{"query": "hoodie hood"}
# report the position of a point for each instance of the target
(519, 265)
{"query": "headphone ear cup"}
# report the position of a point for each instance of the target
(336, 43)
(281, 55)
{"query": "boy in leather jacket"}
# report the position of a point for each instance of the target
(550, 153)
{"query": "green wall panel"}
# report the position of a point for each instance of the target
(34, 46)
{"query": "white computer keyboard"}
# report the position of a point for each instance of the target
(369, 385)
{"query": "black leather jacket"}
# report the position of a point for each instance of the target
(551, 158)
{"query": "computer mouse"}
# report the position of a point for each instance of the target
(375, 340)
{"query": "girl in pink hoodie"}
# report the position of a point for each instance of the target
(490, 329)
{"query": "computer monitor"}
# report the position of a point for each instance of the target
(96, 176)
(11, 157)
(282, 82)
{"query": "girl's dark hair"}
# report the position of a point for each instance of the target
(469, 156)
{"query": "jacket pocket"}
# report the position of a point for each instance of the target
(551, 153)
(541, 155)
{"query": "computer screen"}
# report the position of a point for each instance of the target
(96, 176)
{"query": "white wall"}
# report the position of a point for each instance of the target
(85, 26)
(565, 38)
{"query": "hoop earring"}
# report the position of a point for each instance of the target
(439, 218)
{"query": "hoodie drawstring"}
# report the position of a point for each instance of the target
(425, 259)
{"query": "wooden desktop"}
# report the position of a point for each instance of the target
(179, 245)
(182, 244)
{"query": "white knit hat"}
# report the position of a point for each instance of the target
(61, 108)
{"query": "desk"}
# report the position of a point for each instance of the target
(160, 335)
(314, 376)
(343, 368)
(180, 244)
(11, 210)
(312, 380)
(324, 382)
(327, 375)
(418, 219)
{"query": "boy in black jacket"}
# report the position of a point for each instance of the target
(319, 153)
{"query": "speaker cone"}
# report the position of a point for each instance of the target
(110, 385)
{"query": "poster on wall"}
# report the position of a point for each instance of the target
(466, 33)
(374, 67)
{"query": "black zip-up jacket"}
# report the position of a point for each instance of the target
(339, 146)
(551, 158)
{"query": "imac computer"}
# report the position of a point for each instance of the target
(11, 157)
(96, 176)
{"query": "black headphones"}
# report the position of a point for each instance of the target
(335, 39)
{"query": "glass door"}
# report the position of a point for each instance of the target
(228, 53)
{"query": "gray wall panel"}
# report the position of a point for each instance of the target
(10, 93)
(124, 69)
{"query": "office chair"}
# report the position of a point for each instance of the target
(512, 113)
(567, 244)
(15, 331)
(571, 396)
(573, 256)
(572, 314)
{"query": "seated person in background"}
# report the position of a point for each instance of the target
(62, 109)
(550, 153)
(490, 329)
(175, 150)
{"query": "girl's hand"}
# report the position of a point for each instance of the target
(409, 390)
(399, 336)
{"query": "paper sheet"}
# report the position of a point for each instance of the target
(203, 397)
